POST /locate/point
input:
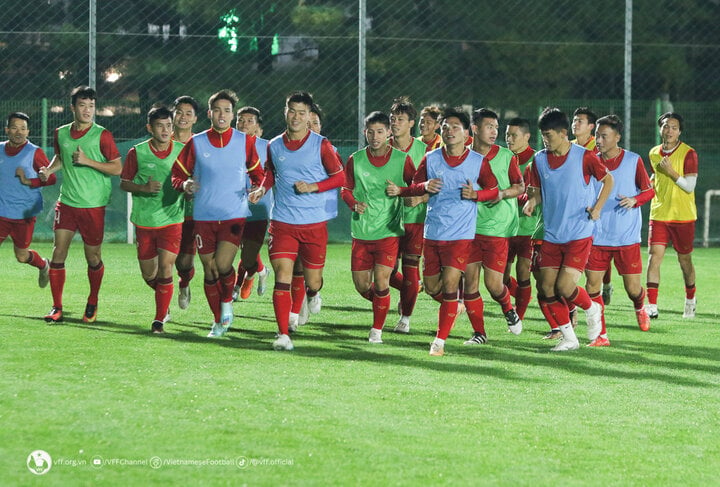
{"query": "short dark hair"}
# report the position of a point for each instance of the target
(552, 118)
(481, 113)
(158, 113)
(251, 111)
(300, 97)
(612, 121)
(18, 115)
(592, 118)
(82, 92)
(377, 117)
(433, 111)
(523, 123)
(458, 113)
(188, 100)
(228, 95)
(676, 116)
(402, 104)
(317, 110)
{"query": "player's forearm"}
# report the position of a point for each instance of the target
(415, 189)
(487, 194)
(607, 187)
(132, 187)
(334, 181)
(514, 191)
(644, 197)
(348, 197)
(111, 168)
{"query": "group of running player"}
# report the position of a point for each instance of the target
(456, 199)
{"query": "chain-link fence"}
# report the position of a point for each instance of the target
(513, 56)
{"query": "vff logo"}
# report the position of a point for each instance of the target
(39, 462)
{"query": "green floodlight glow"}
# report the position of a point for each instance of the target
(229, 32)
(275, 49)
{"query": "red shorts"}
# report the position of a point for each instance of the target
(187, 241)
(288, 241)
(572, 254)
(627, 259)
(209, 233)
(412, 242)
(520, 246)
(90, 222)
(491, 251)
(445, 253)
(255, 231)
(680, 234)
(21, 231)
(366, 254)
(150, 240)
(536, 248)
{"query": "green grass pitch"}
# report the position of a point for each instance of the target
(340, 411)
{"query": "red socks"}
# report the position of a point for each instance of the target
(447, 314)
(57, 283)
(282, 302)
(163, 296)
(690, 291)
(652, 292)
(381, 306)
(212, 293)
(227, 282)
(474, 307)
(522, 297)
(95, 276)
(504, 300)
(580, 298)
(35, 259)
(409, 290)
(297, 292)
(185, 277)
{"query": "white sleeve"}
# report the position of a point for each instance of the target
(687, 184)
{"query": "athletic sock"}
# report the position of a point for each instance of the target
(212, 294)
(690, 291)
(474, 307)
(568, 332)
(580, 298)
(184, 277)
(639, 300)
(396, 280)
(555, 311)
(512, 286)
(597, 297)
(446, 315)
(409, 291)
(652, 292)
(297, 292)
(260, 265)
(35, 260)
(381, 305)
(227, 282)
(282, 302)
(95, 276)
(152, 282)
(163, 296)
(370, 293)
(504, 300)
(57, 283)
(522, 298)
